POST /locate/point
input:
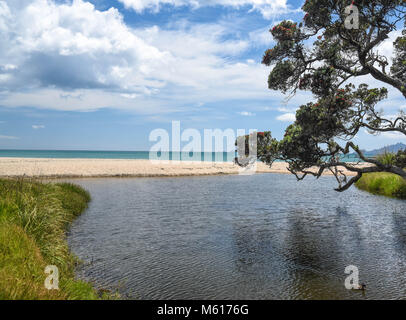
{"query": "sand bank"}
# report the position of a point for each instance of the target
(53, 168)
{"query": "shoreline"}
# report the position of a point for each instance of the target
(52, 168)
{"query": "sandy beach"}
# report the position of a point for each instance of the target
(61, 168)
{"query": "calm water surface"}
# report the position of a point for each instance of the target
(239, 237)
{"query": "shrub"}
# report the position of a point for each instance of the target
(401, 159)
(387, 158)
(385, 184)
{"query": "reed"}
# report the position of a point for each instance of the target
(34, 218)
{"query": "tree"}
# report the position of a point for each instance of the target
(340, 50)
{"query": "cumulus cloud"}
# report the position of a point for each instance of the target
(38, 126)
(71, 56)
(73, 46)
(286, 117)
(268, 8)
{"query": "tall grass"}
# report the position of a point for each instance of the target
(34, 218)
(387, 158)
(383, 183)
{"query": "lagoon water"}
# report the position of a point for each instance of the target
(265, 236)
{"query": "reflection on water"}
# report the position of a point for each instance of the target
(239, 237)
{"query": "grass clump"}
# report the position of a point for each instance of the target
(34, 218)
(382, 183)
(387, 158)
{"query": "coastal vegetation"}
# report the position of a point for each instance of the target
(393, 159)
(382, 183)
(34, 218)
(343, 48)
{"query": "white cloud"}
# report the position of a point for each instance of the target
(8, 137)
(387, 135)
(71, 56)
(262, 37)
(286, 117)
(393, 135)
(129, 95)
(246, 114)
(268, 8)
(284, 109)
(5, 16)
(38, 126)
(386, 47)
(74, 46)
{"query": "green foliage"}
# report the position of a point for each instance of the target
(382, 183)
(401, 159)
(279, 78)
(33, 221)
(336, 55)
(266, 146)
(399, 64)
(387, 158)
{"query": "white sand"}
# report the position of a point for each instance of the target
(15, 167)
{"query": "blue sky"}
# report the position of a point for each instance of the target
(102, 74)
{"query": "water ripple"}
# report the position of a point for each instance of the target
(234, 237)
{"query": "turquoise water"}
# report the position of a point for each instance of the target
(140, 155)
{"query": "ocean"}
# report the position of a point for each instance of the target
(137, 155)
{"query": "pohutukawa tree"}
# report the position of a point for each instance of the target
(324, 131)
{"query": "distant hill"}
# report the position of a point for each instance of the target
(394, 148)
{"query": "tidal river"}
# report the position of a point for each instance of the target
(265, 236)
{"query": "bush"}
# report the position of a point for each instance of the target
(387, 158)
(394, 159)
(401, 159)
(385, 184)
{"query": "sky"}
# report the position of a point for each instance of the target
(103, 74)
